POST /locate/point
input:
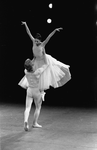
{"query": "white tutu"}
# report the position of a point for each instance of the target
(56, 74)
(24, 82)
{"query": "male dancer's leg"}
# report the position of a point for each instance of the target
(29, 101)
(38, 102)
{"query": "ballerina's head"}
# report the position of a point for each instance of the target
(38, 39)
(38, 42)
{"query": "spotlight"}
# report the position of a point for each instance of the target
(50, 5)
(49, 20)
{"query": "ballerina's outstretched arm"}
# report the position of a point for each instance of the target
(50, 35)
(28, 31)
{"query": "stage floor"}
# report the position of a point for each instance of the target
(63, 129)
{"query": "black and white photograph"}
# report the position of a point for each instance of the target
(48, 75)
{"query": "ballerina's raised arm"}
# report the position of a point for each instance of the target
(50, 35)
(28, 31)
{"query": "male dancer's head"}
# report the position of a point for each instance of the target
(28, 65)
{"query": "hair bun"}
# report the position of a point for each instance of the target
(38, 36)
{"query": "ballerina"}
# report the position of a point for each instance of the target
(56, 73)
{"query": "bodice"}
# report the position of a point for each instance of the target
(38, 50)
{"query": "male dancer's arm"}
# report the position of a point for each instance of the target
(39, 71)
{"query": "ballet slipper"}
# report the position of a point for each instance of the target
(43, 95)
(26, 126)
(36, 125)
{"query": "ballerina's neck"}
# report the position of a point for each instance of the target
(39, 47)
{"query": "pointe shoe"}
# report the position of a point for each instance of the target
(43, 95)
(26, 126)
(36, 125)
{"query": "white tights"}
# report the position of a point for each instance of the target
(29, 101)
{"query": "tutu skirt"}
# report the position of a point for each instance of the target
(56, 74)
(24, 83)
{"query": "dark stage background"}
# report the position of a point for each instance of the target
(75, 46)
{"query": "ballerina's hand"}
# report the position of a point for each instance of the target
(23, 23)
(58, 29)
